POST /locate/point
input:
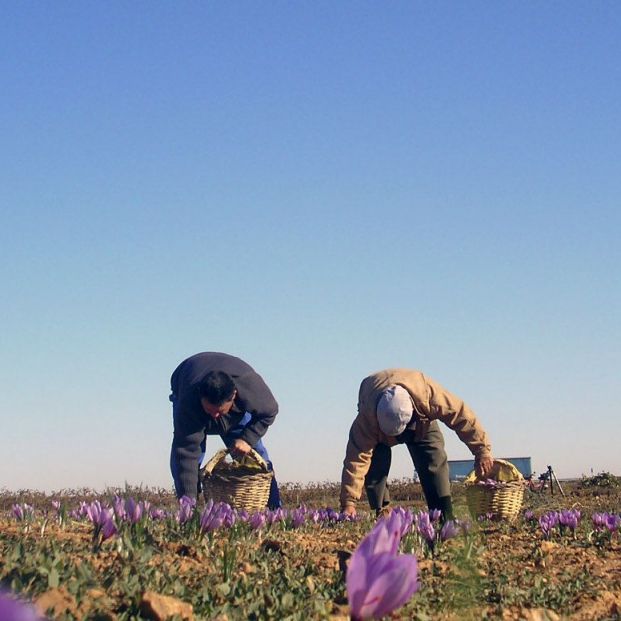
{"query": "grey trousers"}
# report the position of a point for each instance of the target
(430, 461)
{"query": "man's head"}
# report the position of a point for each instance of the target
(394, 410)
(217, 392)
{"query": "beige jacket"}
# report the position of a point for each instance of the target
(431, 402)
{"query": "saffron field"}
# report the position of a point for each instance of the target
(141, 554)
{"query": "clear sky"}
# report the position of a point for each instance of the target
(323, 189)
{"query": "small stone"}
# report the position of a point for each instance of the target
(57, 602)
(162, 607)
(539, 614)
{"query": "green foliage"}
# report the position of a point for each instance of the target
(280, 572)
(603, 479)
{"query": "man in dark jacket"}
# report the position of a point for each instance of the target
(217, 394)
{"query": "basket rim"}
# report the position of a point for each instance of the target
(219, 456)
(472, 479)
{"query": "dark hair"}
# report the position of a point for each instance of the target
(217, 387)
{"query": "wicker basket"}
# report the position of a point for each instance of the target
(503, 501)
(243, 485)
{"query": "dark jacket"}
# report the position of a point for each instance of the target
(192, 424)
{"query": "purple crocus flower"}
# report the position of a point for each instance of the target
(93, 511)
(385, 537)
(18, 512)
(230, 516)
(22, 512)
(102, 519)
(613, 521)
(156, 513)
(257, 521)
(214, 516)
(298, 517)
(13, 609)
(599, 520)
(425, 527)
(529, 515)
(133, 510)
(547, 522)
(332, 515)
(378, 585)
(449, 530)
(108, 527)
(404, 517)
(379, 580)
(186, 509)
(569, 518)
(435, 515)
(118, 504)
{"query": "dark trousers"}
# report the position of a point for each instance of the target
(430, 462)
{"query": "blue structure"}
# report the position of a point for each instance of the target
(459, 469)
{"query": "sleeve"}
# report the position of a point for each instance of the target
(259, 402)
(185, 453)
(456, 415)
(362, 441)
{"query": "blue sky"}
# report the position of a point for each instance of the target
(323, 189)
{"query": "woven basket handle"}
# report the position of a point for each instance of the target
(222, 453)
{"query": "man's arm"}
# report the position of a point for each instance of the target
(185, 454)
(456, 415)
(362, 441)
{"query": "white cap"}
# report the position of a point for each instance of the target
(394, 410)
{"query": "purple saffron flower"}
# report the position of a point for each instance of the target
(230, 517)
(22, 512)
(13, 609)
(425, 527)
(102, 519)
(186, 509)
(108, 527)
(257, 521)
(118, 504)
(18, 512)
(612, 522)
(465, 526)
(133, 510)
(298, 517)
(569, 519)
(599, 520)
(404, 517)
(156, 513)
(435, 515)
(278, 515)
(449, 530)
(93, 511)
(547, 522)
(216, 515)
(332, 515)
(529, 515)
(379, 583)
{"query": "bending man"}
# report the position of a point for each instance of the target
(401, 406)
(217, 394)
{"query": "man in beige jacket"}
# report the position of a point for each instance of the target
(402, 406)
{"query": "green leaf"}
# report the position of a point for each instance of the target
(223, 588)
(53, 578)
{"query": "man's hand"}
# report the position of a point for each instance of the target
(350, 510)
(240, 447)
(483, 466)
